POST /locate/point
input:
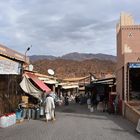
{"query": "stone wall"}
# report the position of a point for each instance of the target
(131, 113)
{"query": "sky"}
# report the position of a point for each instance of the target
(58, 27)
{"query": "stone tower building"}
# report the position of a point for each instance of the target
(128, 58)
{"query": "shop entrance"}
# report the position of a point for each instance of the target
(134, 82)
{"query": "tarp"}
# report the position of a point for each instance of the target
(39, 82)
(51, 82)
(48, 81)
(70, 86)
(29, 88)
(76, 79)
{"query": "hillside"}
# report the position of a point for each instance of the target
(41, 57)
(87, 56)
(71, 68)
(75, 56)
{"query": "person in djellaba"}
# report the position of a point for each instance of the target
(49, 108)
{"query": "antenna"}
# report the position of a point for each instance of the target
(51, 72)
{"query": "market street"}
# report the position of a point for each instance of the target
(73, 122)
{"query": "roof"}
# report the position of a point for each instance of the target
(111, 80)
(7, 52)
(44, 76)
(47, 79)
(70, 86)
(102, 82)
(38, 82)
(76, 78)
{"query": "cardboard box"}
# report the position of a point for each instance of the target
(25, 99)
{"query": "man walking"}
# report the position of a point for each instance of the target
(49, 108)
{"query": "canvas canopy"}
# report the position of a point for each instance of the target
(40, 83)
(29, 88)
(70, 86)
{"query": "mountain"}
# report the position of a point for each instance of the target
(86, 56)
(42, 57)
(72, 68)
(75, 56)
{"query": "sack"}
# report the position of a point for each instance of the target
(41, 111)
(91, 109)
(89, 106)
(100, 106)
(88, 101)
(138, 126)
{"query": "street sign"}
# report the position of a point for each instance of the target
(134, 65)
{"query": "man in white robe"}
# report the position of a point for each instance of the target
(49, 108)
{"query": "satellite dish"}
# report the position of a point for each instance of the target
(31, 67)
(51, 72)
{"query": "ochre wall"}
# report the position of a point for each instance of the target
(131, 113)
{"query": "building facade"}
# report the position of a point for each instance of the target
(128, 59)
(11, 68)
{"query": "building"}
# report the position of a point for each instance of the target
(128, 63)
(11, 68)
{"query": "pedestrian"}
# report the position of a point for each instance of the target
(89, 102)
(76, 98)
(66, 99)
(105, 104)
(50, 108)
(115, 103)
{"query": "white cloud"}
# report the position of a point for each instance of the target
(57, 27)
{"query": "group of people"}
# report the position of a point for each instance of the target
(96, 101)
(49, 103)
(66, 98)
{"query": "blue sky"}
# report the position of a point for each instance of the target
(57, 27)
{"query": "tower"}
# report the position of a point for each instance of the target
(128, 55)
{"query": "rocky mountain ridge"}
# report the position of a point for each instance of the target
(75, 56)
(72, 68)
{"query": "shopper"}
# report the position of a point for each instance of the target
(89, 102)
(49, 108)
(66, 98)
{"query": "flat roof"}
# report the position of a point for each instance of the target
(76, 78)
(12, 54)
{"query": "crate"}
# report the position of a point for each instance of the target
(25, 99)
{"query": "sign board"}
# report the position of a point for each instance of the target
(134, 65)
(9, 67)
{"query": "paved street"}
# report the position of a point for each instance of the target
(73, 122)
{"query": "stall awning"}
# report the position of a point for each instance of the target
(109, 81)
(76, 79)
(39, 82)
(48, 80)
(29, 88)
(53, 82)
(70, 86)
